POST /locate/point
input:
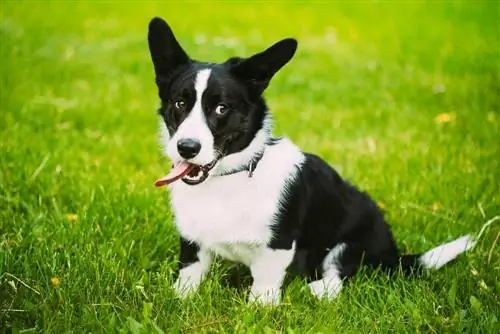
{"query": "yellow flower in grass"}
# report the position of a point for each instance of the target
(446, 117)
(72, 217)
(55, 281)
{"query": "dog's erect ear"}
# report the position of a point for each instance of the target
(166, 52)
(261, 67)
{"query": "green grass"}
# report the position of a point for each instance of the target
(366, 90)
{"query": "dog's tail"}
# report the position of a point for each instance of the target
(438, 256)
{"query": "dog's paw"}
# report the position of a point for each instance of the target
(184, 288)
(324, 288)
(264, 297)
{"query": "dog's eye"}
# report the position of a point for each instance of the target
(179, 105)
(221, 109)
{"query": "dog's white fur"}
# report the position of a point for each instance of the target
(195, 127)
(442, 254)
(331, 283)
(239, 229)
(191, 277)
(232, 216)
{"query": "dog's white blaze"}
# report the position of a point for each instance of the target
(195, 126)
(441, 255)
(201, 83)
(330, 285)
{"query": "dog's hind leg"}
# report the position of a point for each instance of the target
(327, 287)
(330, 285)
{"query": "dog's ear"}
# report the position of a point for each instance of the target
(259, 69)
(166, 52)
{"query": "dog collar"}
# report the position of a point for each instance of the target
(250, 167)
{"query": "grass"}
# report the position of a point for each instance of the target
(402, 98)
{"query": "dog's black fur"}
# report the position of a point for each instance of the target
(318, 211)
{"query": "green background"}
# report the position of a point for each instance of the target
(401, 97)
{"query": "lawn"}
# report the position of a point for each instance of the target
(401, 97)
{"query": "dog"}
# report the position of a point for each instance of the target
(239, 193)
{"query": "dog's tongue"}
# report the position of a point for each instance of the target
(178, 171)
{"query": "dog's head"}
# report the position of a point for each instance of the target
(209, 111)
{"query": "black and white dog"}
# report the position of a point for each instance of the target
(241, 194)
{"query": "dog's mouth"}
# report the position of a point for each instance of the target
(189, 173)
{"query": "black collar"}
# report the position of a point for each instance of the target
(252, 164)
(250, 167)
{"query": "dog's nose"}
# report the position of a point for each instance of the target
(188, 148)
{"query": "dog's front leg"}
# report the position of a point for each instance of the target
(268, 271)
(194, 265)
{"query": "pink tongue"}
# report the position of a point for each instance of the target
(178, 171)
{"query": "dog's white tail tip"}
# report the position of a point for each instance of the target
(441, 255)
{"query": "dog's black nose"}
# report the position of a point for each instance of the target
(188, 148)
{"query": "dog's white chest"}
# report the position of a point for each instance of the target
(229, 209)
(233, 210)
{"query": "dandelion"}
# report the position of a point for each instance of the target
(72, 217)
(444, 118)
(55, 281)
